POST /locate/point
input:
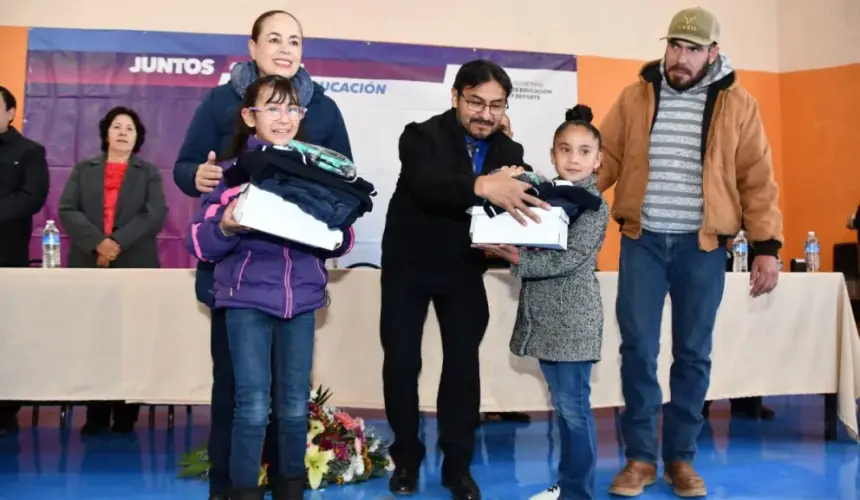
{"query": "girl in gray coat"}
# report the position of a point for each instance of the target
(560, 314)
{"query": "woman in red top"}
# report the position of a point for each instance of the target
(112, 209)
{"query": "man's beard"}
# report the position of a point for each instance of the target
(680, 87)
(491, 126)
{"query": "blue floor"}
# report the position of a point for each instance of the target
(782, 459)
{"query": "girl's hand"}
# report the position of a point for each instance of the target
(509, 253)
(228, 224)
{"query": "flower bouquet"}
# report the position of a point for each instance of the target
(340, 449)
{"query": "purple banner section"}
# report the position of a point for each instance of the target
(102, 70)
(65, 119)
(76, 76)
(191, 44)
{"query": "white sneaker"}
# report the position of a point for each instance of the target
(550, 493)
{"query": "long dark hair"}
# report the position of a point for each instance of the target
(282, 91)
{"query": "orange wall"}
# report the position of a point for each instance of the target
(13, 71)
(820, 134)
(810, 117)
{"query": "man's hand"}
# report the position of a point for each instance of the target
(511, 171)
(509, 253)
(504, 191)
(102, 262)
(764, 275)
(208, 175)
(108, 249)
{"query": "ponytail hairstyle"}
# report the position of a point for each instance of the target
(282, 91)
(257, 28)
(578, 116)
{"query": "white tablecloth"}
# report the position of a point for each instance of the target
(140, 335)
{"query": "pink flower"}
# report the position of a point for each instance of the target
(346, 421)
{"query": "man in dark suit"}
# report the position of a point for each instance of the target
(448, 163)
(24, 184)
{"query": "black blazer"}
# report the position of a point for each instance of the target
(24, 184)
(427, 224)
(140, 213)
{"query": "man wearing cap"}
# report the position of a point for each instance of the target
(687, 153)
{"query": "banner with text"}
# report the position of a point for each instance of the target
(75, 76)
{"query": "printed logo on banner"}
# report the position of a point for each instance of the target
(531, 90)
(225, 77)
(353, 87)
(173, 65)
(192, 66)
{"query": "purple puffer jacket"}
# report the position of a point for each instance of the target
(256, 270)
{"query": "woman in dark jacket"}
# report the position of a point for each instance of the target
(276, 48)
(112, 209)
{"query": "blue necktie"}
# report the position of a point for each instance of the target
(472, 147)
(477, 151)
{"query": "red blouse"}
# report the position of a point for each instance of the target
(114, 174)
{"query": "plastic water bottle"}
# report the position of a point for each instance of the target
(812, 253)
(50, 246)
(740, 253)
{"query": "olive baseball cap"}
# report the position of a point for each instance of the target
(694, 25)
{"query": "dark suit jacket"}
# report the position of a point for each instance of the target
(857, 223)
(140, 213)
(427, 225)
(24, 184)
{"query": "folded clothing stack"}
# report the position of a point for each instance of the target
(321, 182)
(574, 200)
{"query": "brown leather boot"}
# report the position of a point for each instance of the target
(685, 481)
(633, 479)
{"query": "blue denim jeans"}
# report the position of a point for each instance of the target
(570, 389)
(651, 267)
(263, 347)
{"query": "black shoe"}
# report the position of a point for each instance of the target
(248, 494)
(462, 487)
(751, 408)
(403, 481)
(9, 426)
(761, 413)
(288, 488)
(93, 428)
(122, 427)
(509, 416)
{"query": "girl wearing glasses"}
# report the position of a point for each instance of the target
(275, 47)
(270, 290)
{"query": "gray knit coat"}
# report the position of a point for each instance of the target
(560, 314)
